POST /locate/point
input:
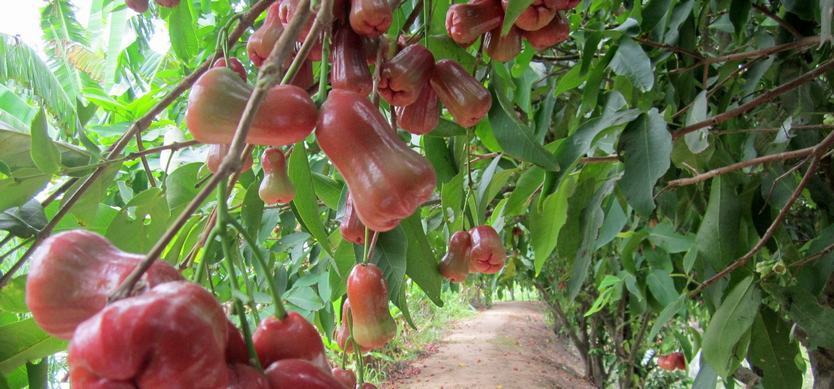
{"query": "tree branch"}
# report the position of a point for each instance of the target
(137, 127)
(269, 75)
(141, 146)
(764, 98)
(789, 28)
(740, 165)
(819, 151)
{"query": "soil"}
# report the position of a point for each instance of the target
(507, 346)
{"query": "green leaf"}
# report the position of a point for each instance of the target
(667, 314)
(390, 256)
(13, 296)
(546, 224)
(664, 236)
(772, 351)
(138, 234)
(814, 318)
(718, 236)
(591, 221)
(421, 260)
(697, 141)
(86, 208)
(516, 138)
(16, 150)
(739, 12)
(24, 341)
(24, 221)
(525, 186)
(252, 209)
(512, 12)
(181, 186)
(45, 154)
(181, 32)
(438, 153)
(579, 143)
(38, 374)
(653, 12)
(18, 191)
(729, 324)
(647, 147)
(632, 62)
(305, 196)
(662, 287)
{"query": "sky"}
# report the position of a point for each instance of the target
(23, 19)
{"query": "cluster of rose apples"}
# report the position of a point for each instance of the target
(541, 24)
(142, 5)
(171, 333)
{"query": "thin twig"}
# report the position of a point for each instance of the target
(141, 147)
(819, 151)
(787, 26)
(137, 127)
(741, 165)
(828, 249)
(270, 74)
(605, 159)
(775, 129)
(764, 98)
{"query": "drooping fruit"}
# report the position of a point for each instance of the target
(403, 77)
(422, 116)
(503, 48)
(218, 99)
(346, 377)
(373, 326)
(300, 374)
(387, 179)
(343, 332)
(236, 65)
(276, 187)
(370, 18)
(216, 154)
(536, 16)
(172, 336)
(139, 6)
(72, 273)
(350, 69)
(465, 23)
(351, 227)
(455, 264)
(262, 41)
(487, 254)
(463, 95)
(555, 32)
(292, 337)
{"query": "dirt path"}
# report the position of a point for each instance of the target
(507, 346)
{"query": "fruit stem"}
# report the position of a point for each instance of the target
(360, 367)
(280, 310)
(222, 217)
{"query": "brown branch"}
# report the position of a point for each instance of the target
(764, 98)
(269, 75)
(787, 26)
(819, 151)
(418, 8)
(137, 127)
(775, 129)
(141, 146)
(668, 47)
(811, 258)
(752, 54)
(605, 159)
(741, 165)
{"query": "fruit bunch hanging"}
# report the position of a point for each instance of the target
(171, 333)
